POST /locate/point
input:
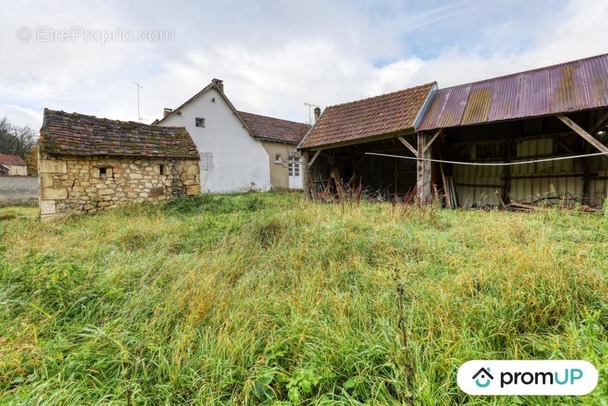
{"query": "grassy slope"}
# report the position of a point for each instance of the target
(268, 297)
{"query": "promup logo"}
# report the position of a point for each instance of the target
(483, 375)
(527, 377)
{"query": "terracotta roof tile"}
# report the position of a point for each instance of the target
(275, 129)
(358, 120)
(79, 134)
(14, 160)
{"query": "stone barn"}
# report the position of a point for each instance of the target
(12, 165)
(87, 164)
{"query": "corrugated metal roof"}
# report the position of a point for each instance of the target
(361, 120)
(563, 88)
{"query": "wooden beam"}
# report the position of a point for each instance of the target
(432, 139)
(314, 157)
(601, 123)
(564, 146)
(577, 129)
(408, 145)
(358, 162)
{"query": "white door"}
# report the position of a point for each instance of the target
(295, 173)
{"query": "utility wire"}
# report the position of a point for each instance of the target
(533, 161)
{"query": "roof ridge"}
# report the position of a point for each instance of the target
(212, 85)
(105, 118)
(382, 95)
(274, 118)
(526, 71)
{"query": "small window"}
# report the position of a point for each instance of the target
(162, 169)
(278, 159)
(199, 122)
(106, 172)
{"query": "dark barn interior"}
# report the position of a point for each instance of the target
(569, 181)
(379, 176)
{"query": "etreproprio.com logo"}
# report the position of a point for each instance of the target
(528, 377)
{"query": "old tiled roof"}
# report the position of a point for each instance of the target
(567, 87)
(79, 134)
(275, 129)
(14, 160)
(381, 115)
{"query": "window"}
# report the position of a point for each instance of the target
(106, 172)
(294, 167)
(199, 122)
(278, 159)
(162, 169)
(206, 161)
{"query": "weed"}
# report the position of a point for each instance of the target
(271, 299)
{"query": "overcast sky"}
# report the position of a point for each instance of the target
(273, 55)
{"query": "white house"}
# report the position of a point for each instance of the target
(239, 151)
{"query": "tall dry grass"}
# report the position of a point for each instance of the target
(270, 299)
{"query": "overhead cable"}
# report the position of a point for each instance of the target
(533, 161)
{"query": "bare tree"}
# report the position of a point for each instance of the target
(16, 140)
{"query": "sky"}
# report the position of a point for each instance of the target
(273, 55)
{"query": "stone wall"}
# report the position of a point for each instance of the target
(73, 184)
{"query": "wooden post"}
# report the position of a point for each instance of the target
(446, 189)
(506, 188)
(586, 182)
(306, 175)
(423, 169)
(396, 177)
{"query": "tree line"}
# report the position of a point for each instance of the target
(16, 140)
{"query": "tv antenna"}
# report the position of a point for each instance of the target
(310, 107)
(139, 117)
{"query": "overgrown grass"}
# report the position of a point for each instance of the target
(270, 299)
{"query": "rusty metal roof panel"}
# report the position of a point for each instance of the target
(447, 107)
(563, 88)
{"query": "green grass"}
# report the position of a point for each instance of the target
(271, 299)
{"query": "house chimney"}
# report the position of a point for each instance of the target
(167, 111)
(219, 83)
(317, 113)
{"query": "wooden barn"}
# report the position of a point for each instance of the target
(530, 137)
(338, 146)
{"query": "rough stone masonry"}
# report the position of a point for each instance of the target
(74, 184)
(87, 164)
